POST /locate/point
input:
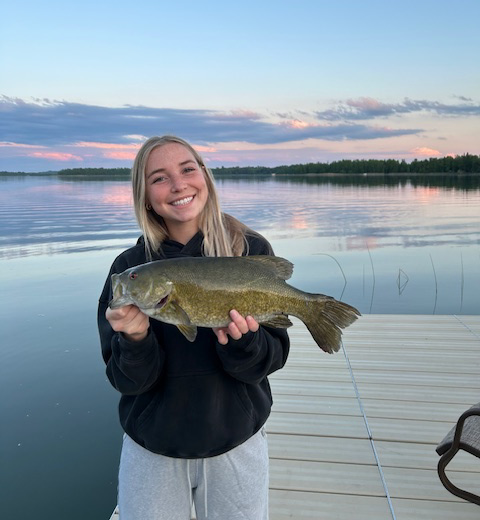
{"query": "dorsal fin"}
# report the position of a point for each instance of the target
(280, 266)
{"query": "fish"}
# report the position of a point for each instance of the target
(192, 292)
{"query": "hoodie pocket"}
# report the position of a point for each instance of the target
(147, 412)
(244, 400)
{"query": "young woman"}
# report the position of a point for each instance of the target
(193, 413)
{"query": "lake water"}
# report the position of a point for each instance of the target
(408, 246)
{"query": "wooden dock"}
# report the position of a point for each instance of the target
(352, 436)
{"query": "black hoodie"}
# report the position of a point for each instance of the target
(183, 399)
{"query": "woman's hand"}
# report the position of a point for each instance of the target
(129, 320)
(236, 328)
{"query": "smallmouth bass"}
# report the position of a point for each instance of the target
(201, 291)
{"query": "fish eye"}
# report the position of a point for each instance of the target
(133, 275)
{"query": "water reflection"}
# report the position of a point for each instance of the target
(395, 226)
(362, 216)
(460, 182)
(49, 216)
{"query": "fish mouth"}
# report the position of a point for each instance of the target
(118, 302)
(119, 298)
(162, 303)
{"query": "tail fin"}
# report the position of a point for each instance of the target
(324, 318)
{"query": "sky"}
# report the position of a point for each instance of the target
(247, 83)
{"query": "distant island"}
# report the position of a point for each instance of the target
(458, 165)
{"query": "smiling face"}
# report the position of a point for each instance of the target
(176, 189)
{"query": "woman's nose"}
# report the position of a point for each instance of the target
(178, 183)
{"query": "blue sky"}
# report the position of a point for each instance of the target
(272, 82)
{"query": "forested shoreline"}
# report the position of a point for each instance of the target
(460, 164)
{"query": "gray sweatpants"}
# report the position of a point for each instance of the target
(232, 486)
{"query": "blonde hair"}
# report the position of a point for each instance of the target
(223, 234)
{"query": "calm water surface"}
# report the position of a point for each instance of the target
(406, 247)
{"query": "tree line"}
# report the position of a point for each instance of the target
(98, 172)
(460, 164)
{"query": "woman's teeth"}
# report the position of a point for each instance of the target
(182, 202)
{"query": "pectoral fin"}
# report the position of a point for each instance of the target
(189, 331)
(181, 319)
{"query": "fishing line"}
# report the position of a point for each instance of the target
(467, 327)
(373, 274)
(369, 432)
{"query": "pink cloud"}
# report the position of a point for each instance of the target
(56, 156)
(107, 146)
(121, 156)
(366, 102)
(241, 114)
(296, 123)
(204, 149)
(423, 151)
(134, 147)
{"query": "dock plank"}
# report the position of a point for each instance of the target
(420, 456)
(423, 484)
(314, 404)
(418, 393)
(328, 506)
(324, 477)
(315, 388)
(349, 427)
(418, 410)
(320, 449)
(410, 509)
(437, 379)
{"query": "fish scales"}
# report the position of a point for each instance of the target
(191, 292)
(210, 293)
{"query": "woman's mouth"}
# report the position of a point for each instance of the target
(182, 202)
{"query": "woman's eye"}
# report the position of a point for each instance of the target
(188, 170)
(159, 179)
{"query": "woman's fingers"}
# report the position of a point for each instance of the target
(130, 320)
(221, 334)
(236, 328)
(252, 323)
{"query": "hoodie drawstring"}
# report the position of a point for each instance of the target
(189, 480)
(205, 485)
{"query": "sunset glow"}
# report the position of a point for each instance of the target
(108, 146)
(120, 156)
(355, 89)
(56, 156)
(425, 152)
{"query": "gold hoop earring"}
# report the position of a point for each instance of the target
(148, 206)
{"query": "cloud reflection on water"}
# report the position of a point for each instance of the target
(47, 214)
(374, 232)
